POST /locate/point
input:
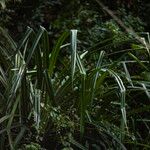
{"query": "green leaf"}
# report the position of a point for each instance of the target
(35, 44)
(139, 62)
(55, 52)
(73, 52)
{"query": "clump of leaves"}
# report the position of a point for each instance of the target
(71, 103)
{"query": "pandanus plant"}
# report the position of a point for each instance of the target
(63, 98)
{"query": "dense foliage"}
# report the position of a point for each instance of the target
(74, 80)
